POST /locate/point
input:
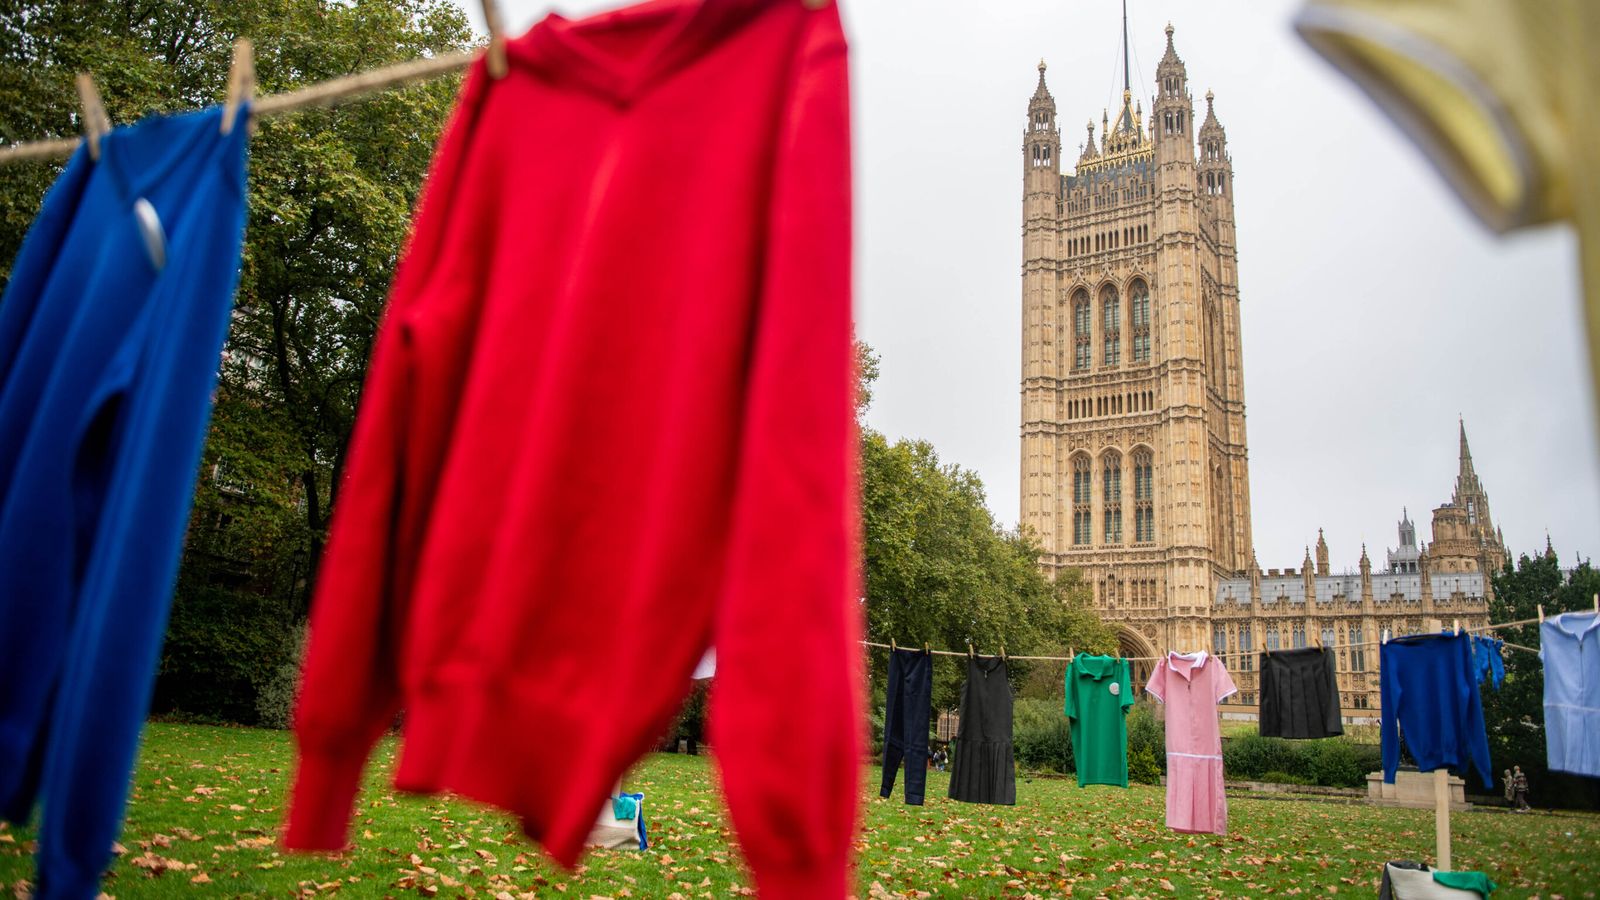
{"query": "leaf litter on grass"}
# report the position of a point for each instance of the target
(1058, 841)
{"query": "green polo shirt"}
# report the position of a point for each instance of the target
(1098, 697)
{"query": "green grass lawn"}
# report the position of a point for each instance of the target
(207, 801)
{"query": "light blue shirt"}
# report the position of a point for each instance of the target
(1570, 648)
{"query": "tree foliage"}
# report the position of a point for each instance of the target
(940, 571)
(330, 199)
(1514, 714)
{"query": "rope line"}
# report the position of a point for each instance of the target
(1234, 654)
(325, 93)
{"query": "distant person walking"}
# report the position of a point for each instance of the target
(1519, 788)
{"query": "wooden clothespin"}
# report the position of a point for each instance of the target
(816, 4)
(971, 652)
(96, 124)
(925, 648)
(241, 82)
(892, 647)
(495, 56)
(1455, 625)
(1072, 656)
(1002, 652)
(1385, 637)
(1541, 614)
(1597, 604)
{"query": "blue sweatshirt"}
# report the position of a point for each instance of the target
(1429, 690)
(111, 329)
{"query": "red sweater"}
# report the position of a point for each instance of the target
(608, 423)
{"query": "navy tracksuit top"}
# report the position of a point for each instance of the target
(111, 331)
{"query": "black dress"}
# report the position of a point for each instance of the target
(983, 770)
(1300, 694)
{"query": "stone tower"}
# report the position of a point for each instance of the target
(1488, 545)
(1134, 463)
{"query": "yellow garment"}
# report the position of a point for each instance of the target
(1502, 96)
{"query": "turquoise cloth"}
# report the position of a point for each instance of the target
(624, 807)
(1466, 881)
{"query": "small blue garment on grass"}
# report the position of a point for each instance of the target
(634, 806)
(624, 806)
(111, 332)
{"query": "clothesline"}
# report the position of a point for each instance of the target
(326, 93)
(1235, 654)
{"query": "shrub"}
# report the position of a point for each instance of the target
(1143, 765)
(275, 700)
(1336, 763)
(1147, 741)
(1041, 736)
(1251, 757)
(1284, 778)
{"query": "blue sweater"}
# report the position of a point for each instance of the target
(111, 329)
(1429, 690)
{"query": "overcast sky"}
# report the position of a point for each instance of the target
(1374, 309)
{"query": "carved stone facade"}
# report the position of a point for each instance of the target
(1435, 585)
(1135, 468)
(1134, 463)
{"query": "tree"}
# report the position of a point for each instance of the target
(1514, 714)
(939, 571)
(331, 193)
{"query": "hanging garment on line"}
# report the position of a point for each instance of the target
(1569, 646)
(984, 768)
(110, 332)
(610, 403)
(1499, 94)
(1300, 694)
(1098, 697)
(907, 701)
(1191, 685)
(1487, 662)
(1429, 695)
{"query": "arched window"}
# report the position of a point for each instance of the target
(1272, 638)
(1144, 493)
(1111, 327)
(1358, 653)
(1247, 660)
(1327, 636)
(1139, 311)
(1299, 635)
(1080, 499)
(1081, 324)
(1111, 496)
(1219, 639)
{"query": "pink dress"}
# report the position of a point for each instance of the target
(1191, 685)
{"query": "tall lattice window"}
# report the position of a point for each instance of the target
(1219, 639)
(1247, 659)
(1272, 638)
(1111, 326)
(1144, 493)
(1080, 499)
(1358, 653)
(1111, 496)
(1299, 635)
(1139, 310)
(1327, 636)
(1081, 324)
